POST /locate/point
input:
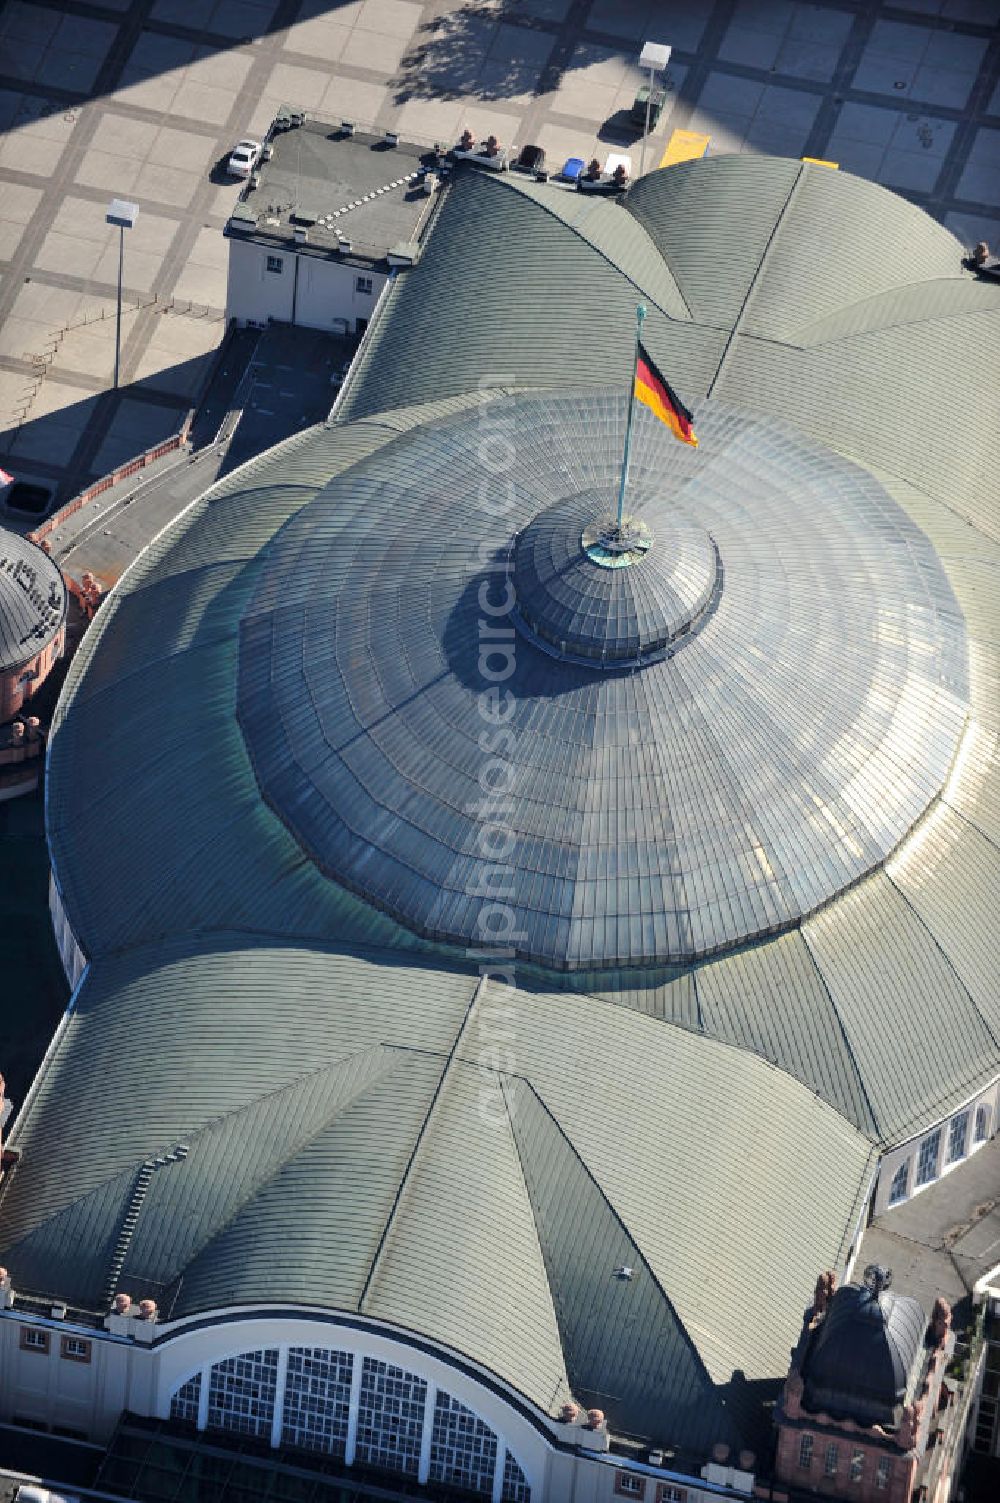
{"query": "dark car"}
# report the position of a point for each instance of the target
(655, 99)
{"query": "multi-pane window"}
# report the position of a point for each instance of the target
(185, 1402)
(883, 1472)
(276, 263)
(666, 1492)
(982, 1123)
(463, 1448)
(34, 1341)
(830, 1462)
(364, 285)
(515, 1483)
(241, 1393)
(958, 1132)
(628, 1485)
(900, 1183)
(806, 1452)
(857, 1465)
(74, 1349)
(928, 1157)
(317, 1400)
(390, 1417)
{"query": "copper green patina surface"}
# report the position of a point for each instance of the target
(321, 1059)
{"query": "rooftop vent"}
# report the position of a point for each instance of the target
(347, 127)
(344, 246)
(391, 138)
(623, 1272)
(303, 216)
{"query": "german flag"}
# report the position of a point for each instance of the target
(659, 396)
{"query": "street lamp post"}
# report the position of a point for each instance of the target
(655, 56)
(124, 215)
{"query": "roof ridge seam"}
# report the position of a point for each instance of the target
(682, 1324)
(877, 297)
(575, 229)
(257, 1186)
(876, 1124)
(937, 943)
(754, 280)
(422, 1133)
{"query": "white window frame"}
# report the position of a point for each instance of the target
(958, 1138)
(628, 1485)
(74, 1348)
(921, 1179)
(34, 1340)
(897, 1191)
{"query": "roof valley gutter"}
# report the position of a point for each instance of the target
(731, 341)
(421, 1137)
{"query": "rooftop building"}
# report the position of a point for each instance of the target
(505, 979)
(324, 216)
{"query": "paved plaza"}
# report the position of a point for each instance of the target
(131, 98)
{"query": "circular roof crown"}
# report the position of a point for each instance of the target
(864, 1352)
(588, 589)
(32, 600)
(653, 810)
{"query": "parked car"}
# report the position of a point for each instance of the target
(244, 158)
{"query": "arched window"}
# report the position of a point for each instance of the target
(241, 1393)
(982, 1123)
(317, 1401)
(391, 1417)
(353, 1408)
(185, 1402)
(463, 1448)
(515, 1483)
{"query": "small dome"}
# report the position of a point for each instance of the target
(587, 589)
(32, 600)
(864, 1354)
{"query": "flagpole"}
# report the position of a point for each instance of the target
(640, 314)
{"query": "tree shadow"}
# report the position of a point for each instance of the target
(459, 54)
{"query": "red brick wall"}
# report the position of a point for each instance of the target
(788, 1471)
(13, 693)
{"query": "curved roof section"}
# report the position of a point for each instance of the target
(863, 1360)
(695, 798)
(32, 600)
(655, 577)
(362, 1107)
(196, 906)
(217, 858)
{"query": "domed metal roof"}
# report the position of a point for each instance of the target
(32, 600)
(590, 589)
(658, 812)
(864, 1355)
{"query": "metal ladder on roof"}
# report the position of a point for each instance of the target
(130, 1220)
